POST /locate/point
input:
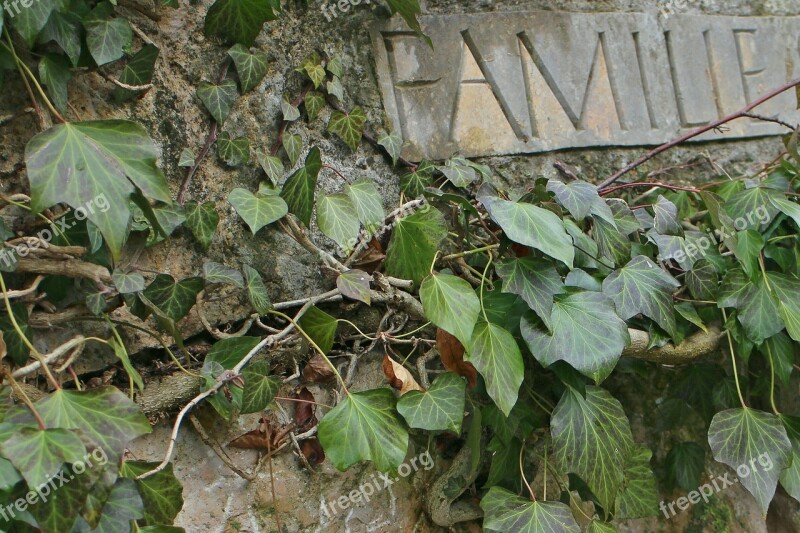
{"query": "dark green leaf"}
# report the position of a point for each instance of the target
(685, 464)
(229, 352)
(414, 183)
(348, 127)
(666, 218)
(218, 273)
(393, 143)
(747, 246)
(414, 243)
(234, 152)
(161, 493)
(751, 438)
(259, 388)
(107, 38)
(703, 280)
(580, 199)
(612, 244)
(752, 208)
(240, 21)
(364, 427)
(790, 477)
(54, 71)
(639, 496)
(256, 290)
(451, 304)
(18, 351)
(300, 187)
(123, 505)
(138, 72)
(439, 409)
(218, 98)
(37, 453)
(321, 327)
(495, 354)
(786, 289)
(458, 171)
(202, 220)
(122, 354)
(64, 29)
(251, 68)
(507, 512)
(173, 299)
(535, 280)
(409, 10)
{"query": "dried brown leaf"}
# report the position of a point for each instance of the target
(400, 378)
(317, 370)
(452, 353)
(312, 451)
(304, 416)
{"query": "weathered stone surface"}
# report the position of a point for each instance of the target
(505, 83)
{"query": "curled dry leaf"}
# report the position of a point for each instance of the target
(317, 370)
(312, 451)
(304, 416)
(400, 378)
(261, 439)
(452, 353)
(372, 258)
(3, 350)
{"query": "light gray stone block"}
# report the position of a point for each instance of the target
(506, 83)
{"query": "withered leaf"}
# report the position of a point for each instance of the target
(399, 378)
(312, 451)
(304, 416)
(452, 353)
(317, 370)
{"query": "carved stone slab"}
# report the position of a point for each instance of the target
(505, 83)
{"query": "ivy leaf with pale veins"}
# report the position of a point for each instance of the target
(451, 304)
(790, 477)
(162, 493)
(54, 71)
(240, 21)
(218, 273)
(759, 311)
(393, 143)
(257, 211)
(30, 20)
(747, 246)
(106, 37)
(753, 207)
(227, 353)
(127, 282)
(367, 202)
(298, 191)
(355, 284)
(234, 152)
(37, 453)
(122, 505)
(643, 287)
(414, 243)
(531, 226)
(439, 409)
(16, 348)
(739, 436)
(495, 354)
(788, 208)
(581, 199)
(703, 280)
(138, 72)
(289, 111)
(76, 162)
(535, 281)
(349, 127)
(337, 219)
(787, 289)
(259, 388)
(666, 218)
(597, 526)
(312, 67)
(187, 158)
(685, 464)
(506, 512)
(364, 427)
(293, 144)
(314, 103)
(272, 165)
(414, 183)
(256, 290)
(612, 244)
(251, 68)
(173, 299)
(587, 334)
(321, 327)
(202, 221)
(592, 439)
(218, 98)
(458, 171)
(639, 496)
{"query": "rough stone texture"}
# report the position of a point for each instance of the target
(505, 83)
(216, 499)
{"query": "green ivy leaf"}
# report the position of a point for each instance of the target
(30, 20)
(685, 464)
(335, 88)
(218, 98)
(451, 304)
(55, 73)
(642, 287)
(739, 436)
(107, 38)
(368, 204)
(414, 183)
(314, 102)
(105, 415)
(138, 72)
(531, 226)
(747, 246)
(251, 68)
(612, 244)
(393, 143)
(161, 493)
(273, 166)
(37, 453)
(759, 312)
(596, 526)
(639, 496)
(122, 354)
(787, 207)
(409, 10)
(289, 110)
(505, 511)
(349, 127)
(703, 280)
(173, 299)
(313, 68)
(202, 220)
(17, 350)
(257, 211)
(439, 409)
(535, 281)
(256, 290)
(689, 313)
(320, 326)
(414, 243)
(63, 506)
(790, 477)
(300, 187)
(229, 352)
(786, 288)
(293, 144)
(495, 354)
(459, 171)
(337, 218)
(355, 284)
(587, 334)
(580, 199)
(218, 273)
(123, 505)
(335, 66)
(592, 439)
(259, 388)
(240, 21)
(187, 158)
(75, 163)
(753, 207)
(666, 220)
(234, 152)
(64, 30)
(364, 427)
